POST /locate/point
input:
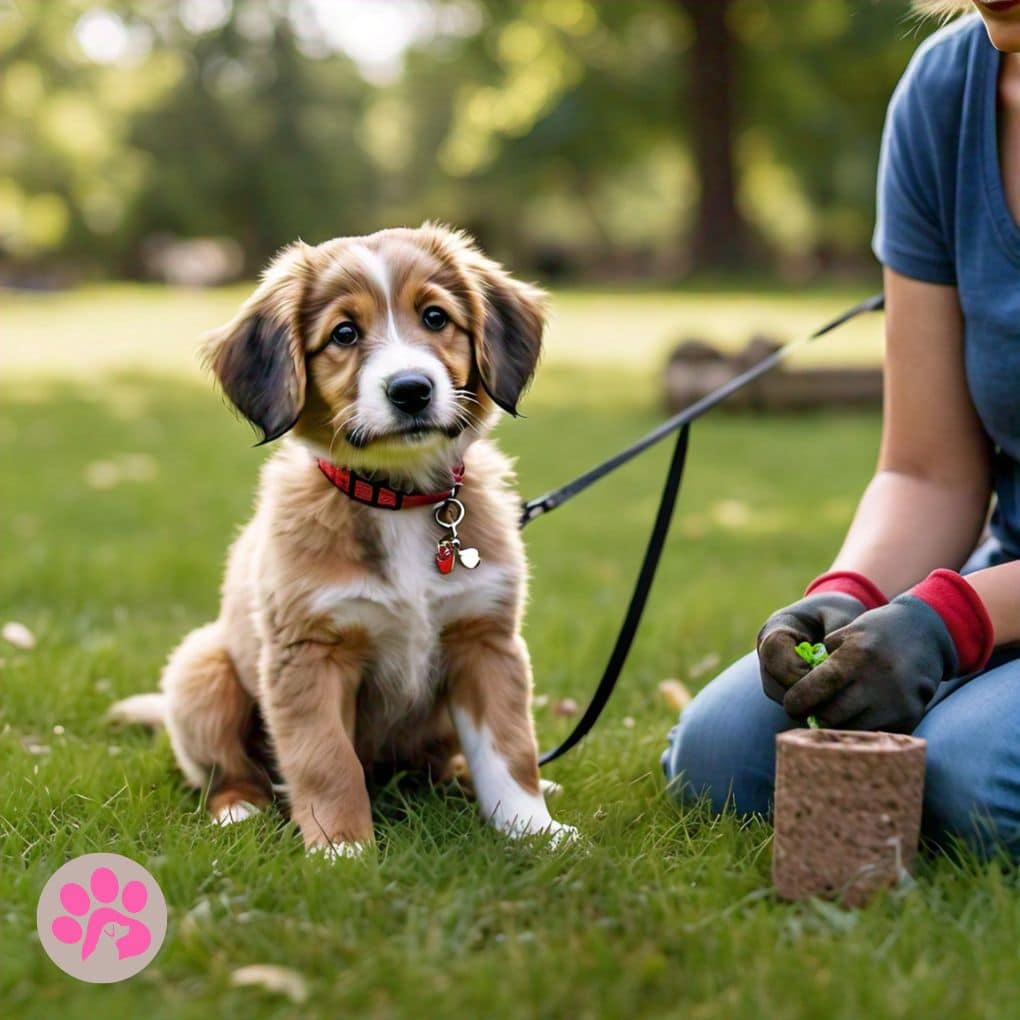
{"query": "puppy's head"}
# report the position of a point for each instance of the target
(386, 352)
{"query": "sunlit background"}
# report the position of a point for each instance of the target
(185, 140)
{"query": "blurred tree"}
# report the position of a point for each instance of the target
(576, 136)
(564, 137)
(720, 234)
(65, 165)
(256, 141)
(676, 125)
(817, 75)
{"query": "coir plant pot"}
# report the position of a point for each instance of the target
(847, 812)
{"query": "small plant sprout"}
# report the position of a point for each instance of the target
(813, 655)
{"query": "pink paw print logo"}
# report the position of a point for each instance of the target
(129, 935)
(101, 918)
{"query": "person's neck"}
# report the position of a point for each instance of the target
(1009, 80)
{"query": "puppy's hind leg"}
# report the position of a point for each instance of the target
(209, 716)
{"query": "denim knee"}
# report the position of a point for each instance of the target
(723, 747)
(967, 796)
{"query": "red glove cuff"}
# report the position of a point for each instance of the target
(849, 582)
(964, 615)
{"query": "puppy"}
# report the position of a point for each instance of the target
(372, 606)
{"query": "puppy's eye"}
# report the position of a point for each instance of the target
(345, 334)
(434, 318)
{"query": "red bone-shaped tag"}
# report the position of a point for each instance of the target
(445, 557)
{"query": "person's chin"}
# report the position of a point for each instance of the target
(1002, 21)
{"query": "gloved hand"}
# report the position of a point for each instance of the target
(883, 668)
(831, 602)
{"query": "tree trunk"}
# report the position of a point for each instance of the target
(721, 236)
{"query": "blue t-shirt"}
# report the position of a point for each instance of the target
(943, 218)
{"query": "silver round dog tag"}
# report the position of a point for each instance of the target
(469, 558)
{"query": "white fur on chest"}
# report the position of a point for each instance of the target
(405, 608)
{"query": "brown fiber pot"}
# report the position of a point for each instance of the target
(847, 812)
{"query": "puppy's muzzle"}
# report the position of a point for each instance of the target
(409, 392)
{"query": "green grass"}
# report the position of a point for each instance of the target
(663, 913)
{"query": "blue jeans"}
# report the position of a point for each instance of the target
(723, 747)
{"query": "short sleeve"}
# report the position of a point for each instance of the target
(911, 235)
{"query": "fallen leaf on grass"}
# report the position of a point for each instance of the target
(565, 706)
(137, 467)
(281, 980)
(102, 474)
(675, 694)
(703, 665)
(127, 467)
(19, 635)
(200, 914)
(733, 514)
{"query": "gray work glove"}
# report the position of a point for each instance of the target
(809, 619)
(884, 667)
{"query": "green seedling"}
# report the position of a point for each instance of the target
(813, 655)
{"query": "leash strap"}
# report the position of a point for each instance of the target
(557, 497)
(636, 608)
(664, 515)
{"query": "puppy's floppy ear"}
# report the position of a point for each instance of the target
(511, 337)
(259, 358)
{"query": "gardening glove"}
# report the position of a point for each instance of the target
(883, 668)
(831, 602)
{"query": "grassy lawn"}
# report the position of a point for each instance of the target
(121, 490)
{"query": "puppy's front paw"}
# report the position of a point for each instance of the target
(554, 834)
(337, 851)
(561, 834)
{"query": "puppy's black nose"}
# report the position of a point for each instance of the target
(409, 392)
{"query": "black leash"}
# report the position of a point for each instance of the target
(681, 422)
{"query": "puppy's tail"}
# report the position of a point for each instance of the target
(140, 709)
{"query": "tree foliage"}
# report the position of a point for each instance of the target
(574, 135)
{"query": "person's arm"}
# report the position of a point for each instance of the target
(999, 590)
(928, 501)
(923, 510)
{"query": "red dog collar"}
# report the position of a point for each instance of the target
(363, 490)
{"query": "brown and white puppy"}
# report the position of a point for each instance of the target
(389, 355)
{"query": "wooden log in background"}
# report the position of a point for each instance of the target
(695, 368)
